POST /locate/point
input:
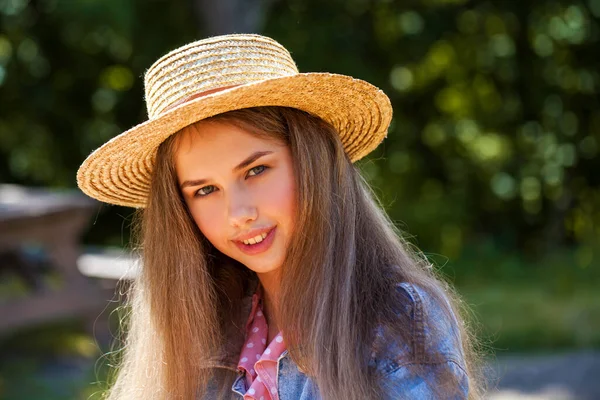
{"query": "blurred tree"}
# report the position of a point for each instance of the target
(70, 79)
(496, 123)
(496, 128)
(230, 16)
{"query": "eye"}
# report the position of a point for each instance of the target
(259, 169)
(205, 191)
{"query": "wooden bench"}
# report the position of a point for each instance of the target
(51, 221)
(109, 264)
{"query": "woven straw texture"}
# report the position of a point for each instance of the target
(238, 71)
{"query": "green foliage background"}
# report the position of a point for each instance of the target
(490, 164)
(496, 126)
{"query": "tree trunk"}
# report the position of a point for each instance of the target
(220, 17)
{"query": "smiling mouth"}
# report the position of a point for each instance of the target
(258, 244)
(255, 240)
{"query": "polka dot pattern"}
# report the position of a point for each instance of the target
(261, 375)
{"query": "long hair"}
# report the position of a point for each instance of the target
(185, 308)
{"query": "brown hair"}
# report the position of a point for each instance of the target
(345, 252)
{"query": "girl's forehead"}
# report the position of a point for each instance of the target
(209, 134)
(212, 145)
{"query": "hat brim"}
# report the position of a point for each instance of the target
(119, 172)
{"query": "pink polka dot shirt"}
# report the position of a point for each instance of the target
(258, 360)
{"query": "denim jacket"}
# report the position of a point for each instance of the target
(441, 376)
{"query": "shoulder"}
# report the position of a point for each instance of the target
(429, 330)
(427, 351)
(434, 324)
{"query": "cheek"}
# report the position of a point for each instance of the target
(208, 221)
(280, 200)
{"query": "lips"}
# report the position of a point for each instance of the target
(252, 249)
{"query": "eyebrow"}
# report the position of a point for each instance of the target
(249, 160)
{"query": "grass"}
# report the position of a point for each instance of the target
(51, 362)
(29, 378)
(522, 318)
(521, 305)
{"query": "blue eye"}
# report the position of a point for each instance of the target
(208, 189)
(256, 170)
(205, 191)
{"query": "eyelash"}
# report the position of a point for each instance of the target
(264, 168)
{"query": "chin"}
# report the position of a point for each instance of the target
(262, 267)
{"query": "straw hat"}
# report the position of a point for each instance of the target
(220, 74)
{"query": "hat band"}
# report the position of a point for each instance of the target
(197, 95)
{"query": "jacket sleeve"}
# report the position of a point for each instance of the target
(429, 363)
(445, 380)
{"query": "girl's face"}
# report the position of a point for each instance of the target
(240, 190)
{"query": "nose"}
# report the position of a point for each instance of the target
(242, 211)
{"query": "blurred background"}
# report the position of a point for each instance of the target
(490, 166)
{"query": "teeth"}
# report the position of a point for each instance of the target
(256, 239)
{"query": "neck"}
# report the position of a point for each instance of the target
(270, 294)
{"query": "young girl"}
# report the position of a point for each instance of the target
(269, 270)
